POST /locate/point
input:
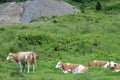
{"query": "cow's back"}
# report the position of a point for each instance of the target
(102, 63)
(73, 66)
(24, 56)
(65, 67)
(21, 56)
(98, 63)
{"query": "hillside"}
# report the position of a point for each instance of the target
(75, 38)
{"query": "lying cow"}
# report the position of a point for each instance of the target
(114, 66)
(71, 68)
(104, 64)
(23, 58)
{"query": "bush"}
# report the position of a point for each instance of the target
(82, 7)
(78, 0)
(98, 6)
(2, 29)
(34, 39)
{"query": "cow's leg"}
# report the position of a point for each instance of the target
(33, 68)
(116, 71)
(24, 67)
(74, 71)
(28, 68)
(65, 71)
(20, 66)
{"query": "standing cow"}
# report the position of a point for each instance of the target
(71, 68)
(23, 58)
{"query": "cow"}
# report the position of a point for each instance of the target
(23, 58)
(100, 63)
(71, 68)
(115, 67)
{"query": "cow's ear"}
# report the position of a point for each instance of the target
(115, 64)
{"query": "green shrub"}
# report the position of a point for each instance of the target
(34, 39)
(98, 6)
(2, 29)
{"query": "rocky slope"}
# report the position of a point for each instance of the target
(10, 12)
(24, 12)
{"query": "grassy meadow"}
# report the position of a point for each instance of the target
(75, 38)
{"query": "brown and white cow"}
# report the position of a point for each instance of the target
(23, 58)
(104, 64)
(71, 68)
(115, 67)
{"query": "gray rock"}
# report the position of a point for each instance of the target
(10, 12)
(37, 8)
(16, 12)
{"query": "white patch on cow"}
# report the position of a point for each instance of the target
(58, 65)
(106, 65)
(111, 64)
(9, 57)
(65, 71)
(26, 57)
(116, 71)
(78, 69)
(95, 61)
(68, 64)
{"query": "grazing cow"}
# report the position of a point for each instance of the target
(104, 64)
(71, 68)
(23, 58)
(114, 66)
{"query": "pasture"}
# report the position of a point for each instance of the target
(75, 38)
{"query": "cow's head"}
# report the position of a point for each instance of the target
(112, 64)
(10, 56)
(58, 65)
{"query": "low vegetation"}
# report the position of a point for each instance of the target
(75, 38)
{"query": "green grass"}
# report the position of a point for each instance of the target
(75, 38)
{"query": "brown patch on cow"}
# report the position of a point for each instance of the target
(65, 66)
(98, 63)
(69, 67)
